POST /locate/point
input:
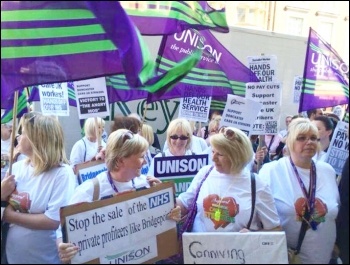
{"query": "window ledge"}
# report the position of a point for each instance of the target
(297, 9)
(326, 14)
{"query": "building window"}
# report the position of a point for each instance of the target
(295, 26)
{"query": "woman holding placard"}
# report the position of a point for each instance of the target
(124, 157)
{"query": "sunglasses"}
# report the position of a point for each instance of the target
(128, 135)
(29, 117)
(181, 137)
(228, 133)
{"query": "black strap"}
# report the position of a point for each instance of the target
(85, 150)
(302, 232)
(273, 137)
(253, 188)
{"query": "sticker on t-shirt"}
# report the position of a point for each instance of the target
(220, 211)
(318, 215)
(20, 201)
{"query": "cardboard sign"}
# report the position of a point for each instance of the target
(127, 228)
(338, 150)
(179, 169)
(90, 169)
(235, 248)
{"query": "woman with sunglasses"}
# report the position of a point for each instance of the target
(178, 139)
(224, 202)
(124, 157)
(306, 194)
(44, 183)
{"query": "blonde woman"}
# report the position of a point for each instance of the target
(124, 159)
(44, 183)
(178, 139)
(87, 147)
(306, 194)
(147, 133)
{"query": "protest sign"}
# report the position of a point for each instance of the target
(269, 95)
(128, 228)
(298, 82)
(240, 113)
(338, 150)
(179, 169)
(264, 67)
(235, 248)
(54, 99)
(90, 169)
(193, 106)
(92, 99)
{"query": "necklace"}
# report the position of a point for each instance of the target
(112, 183)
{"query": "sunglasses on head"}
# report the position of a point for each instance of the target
(127, 136)
(181, 137)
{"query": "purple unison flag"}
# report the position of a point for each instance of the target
(217, 74)
(59, 41)
(169, 17)
(326, 76)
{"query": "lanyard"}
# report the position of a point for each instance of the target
(112, 183)
(310, 195)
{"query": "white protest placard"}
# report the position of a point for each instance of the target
(128, 228)
(89, 170)
(92, 99)
(235, 248)
(338, 150)
(240, 113)
(194, 104)
(269, 95)
(298, 82)
(179, 169)
(54, 99)
(264, 67)
(195, 108)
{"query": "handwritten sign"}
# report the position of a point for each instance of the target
(92, 99)
(89, 170)
(54, 99)
(338, 150)
(269, 95)
(128, 228)
(235, 248)
(240, 113)
(179, 169)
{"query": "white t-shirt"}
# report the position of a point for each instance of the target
(237, 202)
(84, 192)
(166, 153)
(84, 150)
(45, 193)
(317, 245)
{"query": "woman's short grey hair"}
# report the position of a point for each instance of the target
(123, 143)
(300, 126)
(235, 145)
(185, 127)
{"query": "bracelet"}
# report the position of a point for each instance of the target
(4, 203)
(255, 162)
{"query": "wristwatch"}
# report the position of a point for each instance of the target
(4, 203)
